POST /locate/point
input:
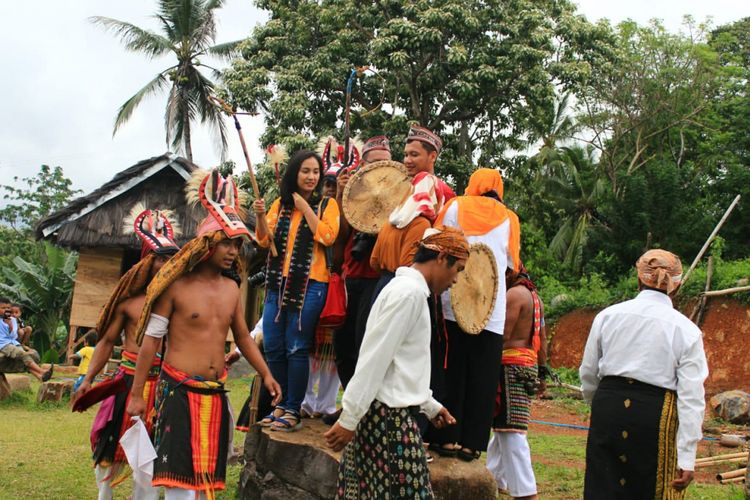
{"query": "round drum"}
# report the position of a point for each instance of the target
(373, 192)
(473, 295)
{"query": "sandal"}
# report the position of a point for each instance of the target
(442, 450)
(468, 455)
(48, 374)
(271, 417)
(290, 421)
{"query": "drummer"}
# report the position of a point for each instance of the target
(398, 240)
(422, 150)
(473, 361)
(360, 278)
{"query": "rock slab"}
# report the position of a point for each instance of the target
(54, 390)
(280, 465)
(732, 406)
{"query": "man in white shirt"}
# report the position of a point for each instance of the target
(391, 383)
(643, 370)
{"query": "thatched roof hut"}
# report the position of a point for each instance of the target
(92, 225)
(95, 220)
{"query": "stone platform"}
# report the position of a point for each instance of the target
(282, 465)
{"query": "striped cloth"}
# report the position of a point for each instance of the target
(518, 379)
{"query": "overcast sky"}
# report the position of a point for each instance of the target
(63, 80)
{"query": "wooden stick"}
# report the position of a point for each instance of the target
(704, 299)
(720, 462)
(256, 191)
(732, 474)
(255, 399)
(727, 291)
(708, 241)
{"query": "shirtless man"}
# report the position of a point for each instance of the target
(524, 361)
(194, 309)
(118, 320)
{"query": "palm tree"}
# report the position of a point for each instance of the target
(189, 31)
(555, 126)
(576, 190)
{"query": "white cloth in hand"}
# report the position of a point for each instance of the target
(139, 451)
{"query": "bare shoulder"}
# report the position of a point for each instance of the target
(517, 293)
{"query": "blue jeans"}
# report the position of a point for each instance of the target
(287, 341)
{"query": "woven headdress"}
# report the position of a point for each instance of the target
(426, 136)
(156, 229)
(376, 143)
(222, 200)
(332, 154)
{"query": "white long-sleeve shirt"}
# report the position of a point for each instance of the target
(498, 241)
(647, 340)
(394, 360)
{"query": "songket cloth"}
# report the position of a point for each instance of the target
(386, 459)
(632, 448)
(518, 378)
(112, 420)
(192, 432)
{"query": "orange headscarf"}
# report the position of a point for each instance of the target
(660, 269)
(478, 214)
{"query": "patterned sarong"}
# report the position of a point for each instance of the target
(632, 448)
(111, 421)
(192, 432)
(518, 378)
(386, 460)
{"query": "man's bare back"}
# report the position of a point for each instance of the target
(520, 317)
(200, 311)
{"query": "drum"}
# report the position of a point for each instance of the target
(473, 295)
(373, 192)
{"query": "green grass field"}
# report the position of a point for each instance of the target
(45, 453)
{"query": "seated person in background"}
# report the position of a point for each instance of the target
(24, 330)
(84, 355)
(12, 349)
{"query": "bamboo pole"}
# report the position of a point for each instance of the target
(704, 299)
(720, 462)
(709, 240)
(732, 474)
(719, 457)
(727, 291)
(733, 480)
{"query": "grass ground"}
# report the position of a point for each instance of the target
(44, 452)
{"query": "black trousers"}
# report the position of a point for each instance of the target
(348, 339)
(471, 380)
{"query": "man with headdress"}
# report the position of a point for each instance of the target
(423, 147)
(472, 364)
(524, 365)
(193, 304)
(391, 383)
(156, 230)
(643, 371)
(360, 277)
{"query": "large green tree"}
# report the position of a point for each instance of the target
(188, 31)
(474, 71)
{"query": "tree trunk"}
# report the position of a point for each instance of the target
(186, 135)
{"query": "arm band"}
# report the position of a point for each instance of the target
(157, 326)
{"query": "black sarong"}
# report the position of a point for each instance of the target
(631, 451)
(192, 432)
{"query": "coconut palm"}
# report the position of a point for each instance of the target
(188, 30)
(576, 190)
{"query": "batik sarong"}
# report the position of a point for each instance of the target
(386, 459)
(112, 420)
(191, 436)
(632, 448)
(518, 379)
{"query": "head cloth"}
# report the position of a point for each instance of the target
(426, 136)
(377, 143)
(660, 269)
(448, 240)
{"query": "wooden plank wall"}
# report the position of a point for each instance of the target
(97, 275)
